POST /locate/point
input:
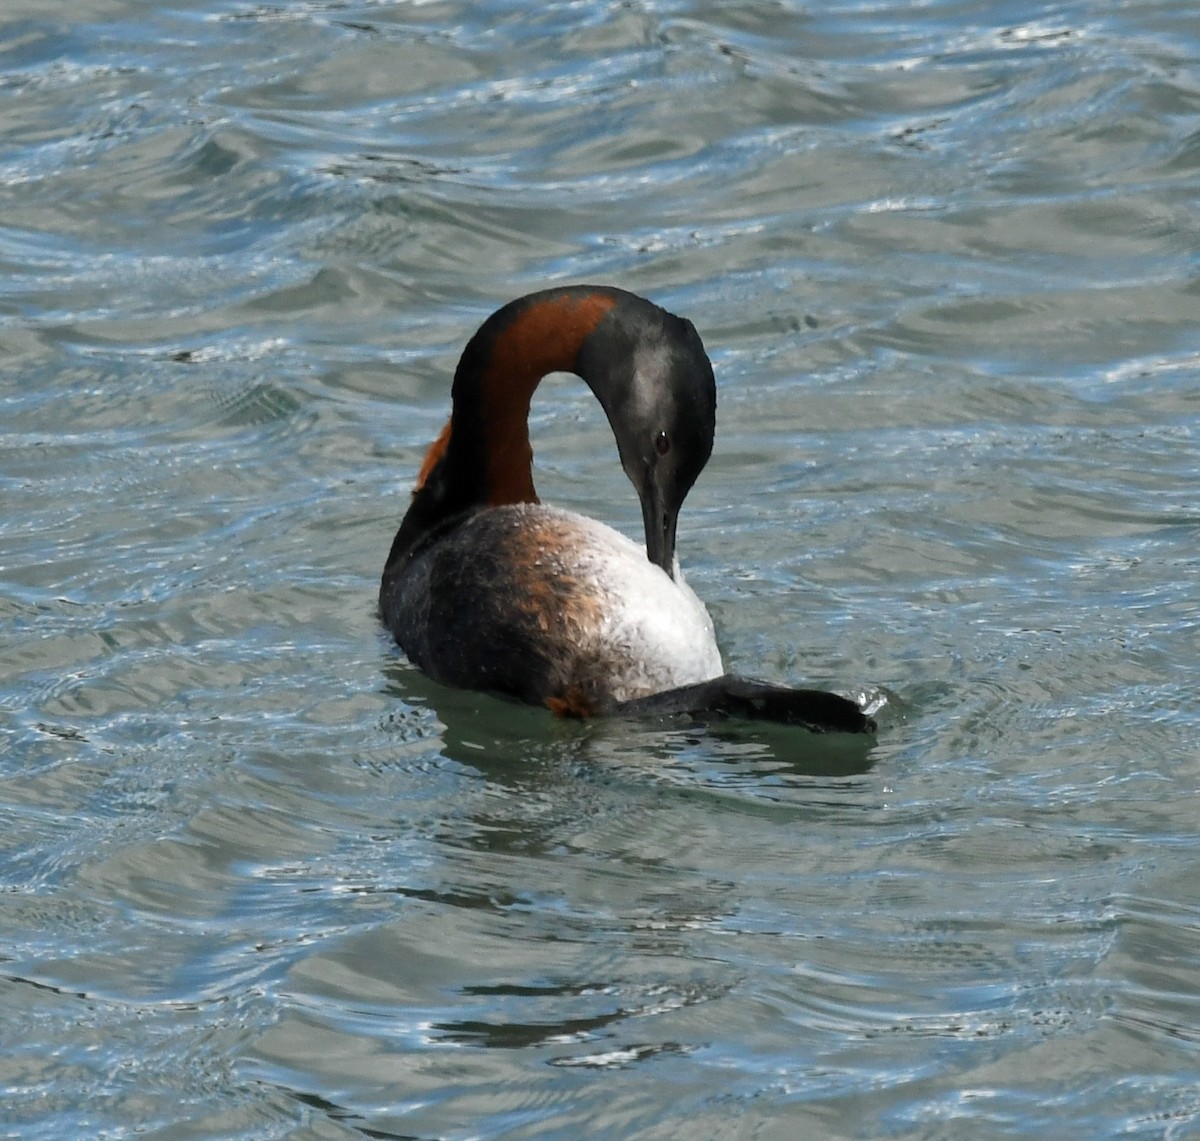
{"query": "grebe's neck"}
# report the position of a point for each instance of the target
(488, 433)
(483, 457)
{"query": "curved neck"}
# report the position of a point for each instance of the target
(483, 456)
(500, 369)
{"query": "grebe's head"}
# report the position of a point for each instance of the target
(654, 379)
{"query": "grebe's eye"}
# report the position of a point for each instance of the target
(662, 443)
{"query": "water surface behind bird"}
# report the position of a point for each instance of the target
(264, 880)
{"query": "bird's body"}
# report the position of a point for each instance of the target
(550, 606)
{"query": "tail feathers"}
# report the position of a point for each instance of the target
(733, 696)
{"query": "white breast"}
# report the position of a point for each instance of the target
(656, 632)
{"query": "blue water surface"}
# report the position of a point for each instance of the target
(260, 879)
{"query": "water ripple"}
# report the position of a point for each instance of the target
(262, 878)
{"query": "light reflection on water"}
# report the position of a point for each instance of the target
(265, 880)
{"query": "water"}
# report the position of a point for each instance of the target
(261, 880)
